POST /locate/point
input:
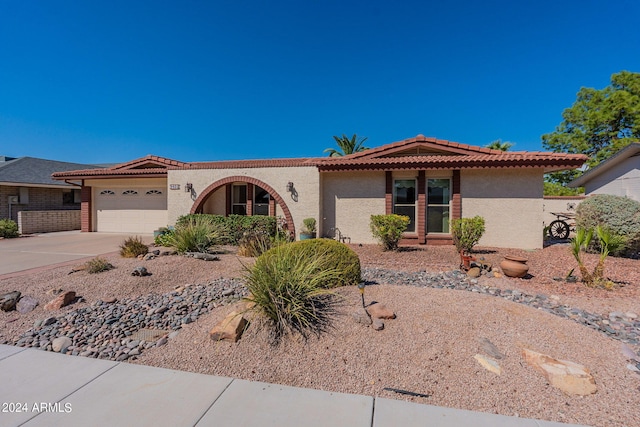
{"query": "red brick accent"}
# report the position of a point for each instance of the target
(86, 209)
(272, 206)
(422, 207)
(456, 199)
(228, 191)
(439, 239)
(204, 195)
(388, 190)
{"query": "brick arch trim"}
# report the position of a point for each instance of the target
(199, 202)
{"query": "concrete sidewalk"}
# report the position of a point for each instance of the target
(41, 250)
(39, 388)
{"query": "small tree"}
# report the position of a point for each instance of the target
(467, 232)
(388, 229)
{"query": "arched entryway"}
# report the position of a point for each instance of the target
(228, 183)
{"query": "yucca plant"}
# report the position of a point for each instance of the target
(289, 289)
(609, 242)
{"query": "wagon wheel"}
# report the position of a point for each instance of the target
(559, 229)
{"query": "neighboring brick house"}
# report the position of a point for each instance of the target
(26, 186)
(430, 180)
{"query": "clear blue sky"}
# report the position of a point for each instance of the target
(110, 81)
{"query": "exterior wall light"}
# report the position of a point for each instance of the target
(188, 187)
(289, 186)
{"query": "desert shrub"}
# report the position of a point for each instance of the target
(466, 232)
(98, 265)
(8, 228)
(198, 233)
(254, 243)
(308, 226)
(236, 225)
(329, 254)
(132, 247)
(289, 288)
(619, 215)
(388, 229)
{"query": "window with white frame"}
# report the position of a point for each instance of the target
(438, 205)
(404, 200)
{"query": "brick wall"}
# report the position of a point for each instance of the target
(40, 199)
(30, 222)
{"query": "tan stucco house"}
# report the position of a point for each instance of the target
(430, 180)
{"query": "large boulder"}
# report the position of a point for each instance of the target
(230, 329)
(61, 300)
(567, 376)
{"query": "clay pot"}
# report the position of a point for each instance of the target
(514, 266)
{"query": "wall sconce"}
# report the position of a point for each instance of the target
(188, 187)
(289, 186)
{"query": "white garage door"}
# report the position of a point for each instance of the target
(130, 210)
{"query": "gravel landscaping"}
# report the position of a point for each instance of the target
(426, 354)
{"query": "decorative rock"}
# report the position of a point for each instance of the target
(148, 256)
(201, 255)
(49, 321)
(497, 275)
(474, 272)
(361, 316)
(488, 363)
(173, 334)
(230, 329)
(61, 301)
(377, 324)
(567, 376)
(110, 300)
(380, 311)
(140, 272)
(60, 344)
(162, 341)
(8, 301)
(490, 349)
(629, 354)
(26, 304)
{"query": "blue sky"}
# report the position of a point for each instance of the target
(96, 82)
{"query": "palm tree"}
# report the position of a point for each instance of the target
(347, 145)
(499, 145)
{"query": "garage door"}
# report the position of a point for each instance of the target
(130, 210)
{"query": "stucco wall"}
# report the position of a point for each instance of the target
(349, 200)
(621, 180)
(510, 201)
(305, 181)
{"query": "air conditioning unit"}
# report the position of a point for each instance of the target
(13, 200)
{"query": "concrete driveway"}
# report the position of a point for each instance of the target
(40, 250)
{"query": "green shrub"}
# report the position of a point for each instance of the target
(198, 233)
(330, 254)
(308, 225)
(164, 238)
(8, 228)
(466, 232)
(132, 247)
(98, 265)
(619, 215)
(236, 225)
(289, 288)
(388, 229)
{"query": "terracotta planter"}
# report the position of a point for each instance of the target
(514, 266)
(465, 261)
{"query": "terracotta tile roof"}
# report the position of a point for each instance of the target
(145, 166)
(258, 163)
(548, 161)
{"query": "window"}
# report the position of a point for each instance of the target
(239, 199)
(70, 197)
(438, 208)
(404, 200)
(154, 193)
(107, 193)
(261, 201)
(129, 192)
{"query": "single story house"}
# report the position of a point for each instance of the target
(430, 180)
(619, 175)
(38, 203)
